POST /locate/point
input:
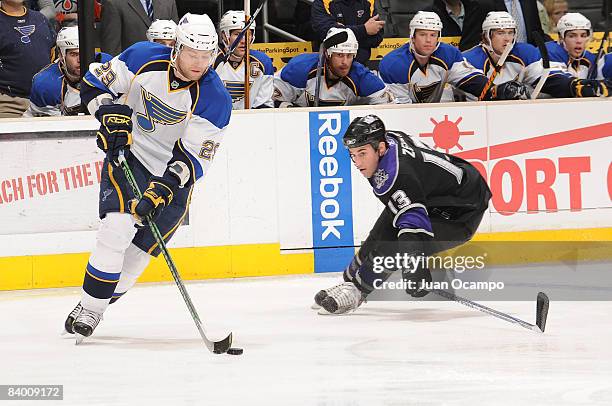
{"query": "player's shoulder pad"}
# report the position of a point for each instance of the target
(590, 56)
(476, 56)
(214, 102)
(448, 54)
(556, 52)
(394, 66)
(526, 52)
(141, 53)
(296, 71)
(388, 169)
(365, 80)
(264, 59)
(47, 86)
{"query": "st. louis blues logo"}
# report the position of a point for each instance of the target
(25, 32)
(156, 111)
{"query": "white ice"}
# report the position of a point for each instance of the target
(147, 351)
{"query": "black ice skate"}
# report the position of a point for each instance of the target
(70, 319)
(85, 324)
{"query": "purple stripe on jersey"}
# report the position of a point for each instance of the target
(415, 218)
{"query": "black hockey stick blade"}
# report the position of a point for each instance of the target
(221, 347)
(541, 44)
(336, 39)
(542, 311)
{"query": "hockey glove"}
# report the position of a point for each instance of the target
(414, 280)
(115, 133)
(160, 192)
(591, 88)
(511, 90)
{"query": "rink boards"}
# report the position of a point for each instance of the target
(283, 198)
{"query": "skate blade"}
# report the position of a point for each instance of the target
(315, 306)
(65, 332)
(78, 338)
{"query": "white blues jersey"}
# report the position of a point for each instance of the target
(171, 117)
(411, 82)
(523, 64)
(261, 80)
(561, 60)
(295, 85)
(604, 70)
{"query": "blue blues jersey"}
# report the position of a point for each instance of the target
(523, 64)
(173, 119)
(411, 82)
(53, 94)
(296, 83)
(25, 48)
(561, 60)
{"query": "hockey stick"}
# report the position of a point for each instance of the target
(498, 66)
(542, 304)
(217, 347)
(537, 37)
(247, 56)
(235, 43)
(334, 40)
(593, 68)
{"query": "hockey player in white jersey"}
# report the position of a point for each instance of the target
(172, 122)
(570, 55)
(163, 32)
(415, 71)
(344, 81)
(231, 72)
(570, 52)
(523, 63)
(55, 89)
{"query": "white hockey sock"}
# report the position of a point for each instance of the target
(106, 260)
(134, 264)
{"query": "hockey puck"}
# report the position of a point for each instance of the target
(235, 351)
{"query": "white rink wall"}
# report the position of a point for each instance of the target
(548, 163)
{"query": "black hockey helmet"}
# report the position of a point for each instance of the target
(364, 130)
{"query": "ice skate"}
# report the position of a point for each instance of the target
(70, 319)
(322, 294)
(85, 324)
(341, 299)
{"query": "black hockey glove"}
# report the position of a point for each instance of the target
(511, 90)
(414, 281)
(160, 192)
(158, 195)
(115, 133)
(591, 88)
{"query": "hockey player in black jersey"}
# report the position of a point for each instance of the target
(433, 202)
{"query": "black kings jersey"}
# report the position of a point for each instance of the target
(413, 180)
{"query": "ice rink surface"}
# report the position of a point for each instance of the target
(147, 350)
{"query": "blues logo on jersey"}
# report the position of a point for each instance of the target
(156, 111)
